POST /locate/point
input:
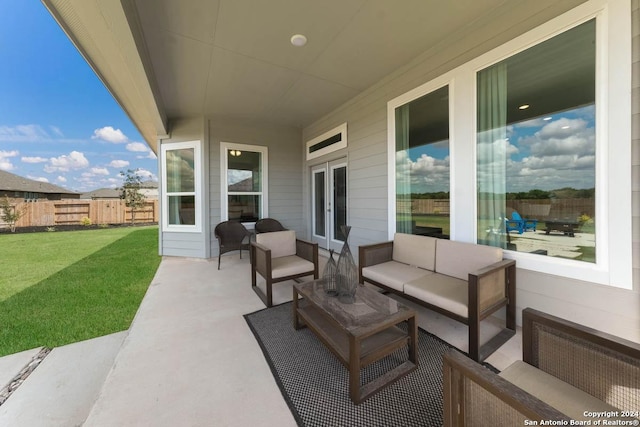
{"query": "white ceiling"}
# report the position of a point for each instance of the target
(171, 59)
(233, 58)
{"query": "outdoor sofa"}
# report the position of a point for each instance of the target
(463, 281)
(569, 374)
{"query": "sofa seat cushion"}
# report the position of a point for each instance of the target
(446, 292)
(394, 274)
(289, 265)
(567, 399)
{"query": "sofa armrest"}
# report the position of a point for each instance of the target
(609, 365)
(376, 253)
(473, 393)
(493, 286)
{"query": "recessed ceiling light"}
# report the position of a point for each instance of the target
(566, 127)
(298, 40)
(547, 118)
(523, 107)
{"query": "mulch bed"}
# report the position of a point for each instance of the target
(73, 227)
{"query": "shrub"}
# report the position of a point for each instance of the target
(9, 214)
(86, 221)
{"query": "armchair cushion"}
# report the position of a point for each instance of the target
(289, 265)
(394, 274)
(281, 243)
(419, 251)
(475, 257)
(553, 391)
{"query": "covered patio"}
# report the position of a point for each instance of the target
(207, 80)
(189, 358)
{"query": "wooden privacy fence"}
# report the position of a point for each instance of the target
(532, 208)
(73, 212)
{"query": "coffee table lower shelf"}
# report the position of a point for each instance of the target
(356, 352)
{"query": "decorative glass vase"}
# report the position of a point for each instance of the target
(330, 276)
(347, 271)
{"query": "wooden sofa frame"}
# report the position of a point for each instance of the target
(472, 392)
(382, 252)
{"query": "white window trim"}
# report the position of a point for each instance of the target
(342, 130)
(420, 91)
(613, 265)
(197, 165)
(224, 201)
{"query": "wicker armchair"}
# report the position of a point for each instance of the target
(278, 256)
(567, 371)
(232, 236)
(268, 225)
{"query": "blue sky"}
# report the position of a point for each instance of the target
(545, 153)
(58, 123)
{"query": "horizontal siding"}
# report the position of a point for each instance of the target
(194, 245)
(284, 168)
(366, 118)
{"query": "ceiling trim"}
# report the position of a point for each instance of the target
(108, 36)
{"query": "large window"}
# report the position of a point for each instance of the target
(539, 140)
(422, 165)
(180, 172)
(536, 154)
(244, 183)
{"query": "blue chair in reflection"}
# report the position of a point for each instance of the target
(519, 224)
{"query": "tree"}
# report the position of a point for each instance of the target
(130, 191)
(9, 214)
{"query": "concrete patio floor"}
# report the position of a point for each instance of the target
(189, 358)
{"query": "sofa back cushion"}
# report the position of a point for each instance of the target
(458, 259)
(414, 250)
(281, 243)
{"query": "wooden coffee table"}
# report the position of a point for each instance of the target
(358, 334)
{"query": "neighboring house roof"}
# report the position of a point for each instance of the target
(12, 182)
(102, 193)
(114, 193)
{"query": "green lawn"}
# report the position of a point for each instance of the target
(61, 287)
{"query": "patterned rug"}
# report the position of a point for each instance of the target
(315, 384)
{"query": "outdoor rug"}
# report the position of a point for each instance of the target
(316, 385)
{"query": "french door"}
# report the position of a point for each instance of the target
(329, 203)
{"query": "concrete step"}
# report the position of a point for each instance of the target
(11, 365)
(64, 387)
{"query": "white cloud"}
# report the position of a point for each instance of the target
(65, 163)
(57, 131)
(109, 134)
(23, 133)
(426, 173)
(34, 159)
(61, 179)
(150, 155)
(38, 178)
(145, 174)
(118, 164)
(99, 171)
(137, 147)
(5, 163)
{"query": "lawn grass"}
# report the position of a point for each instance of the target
(62, 287)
